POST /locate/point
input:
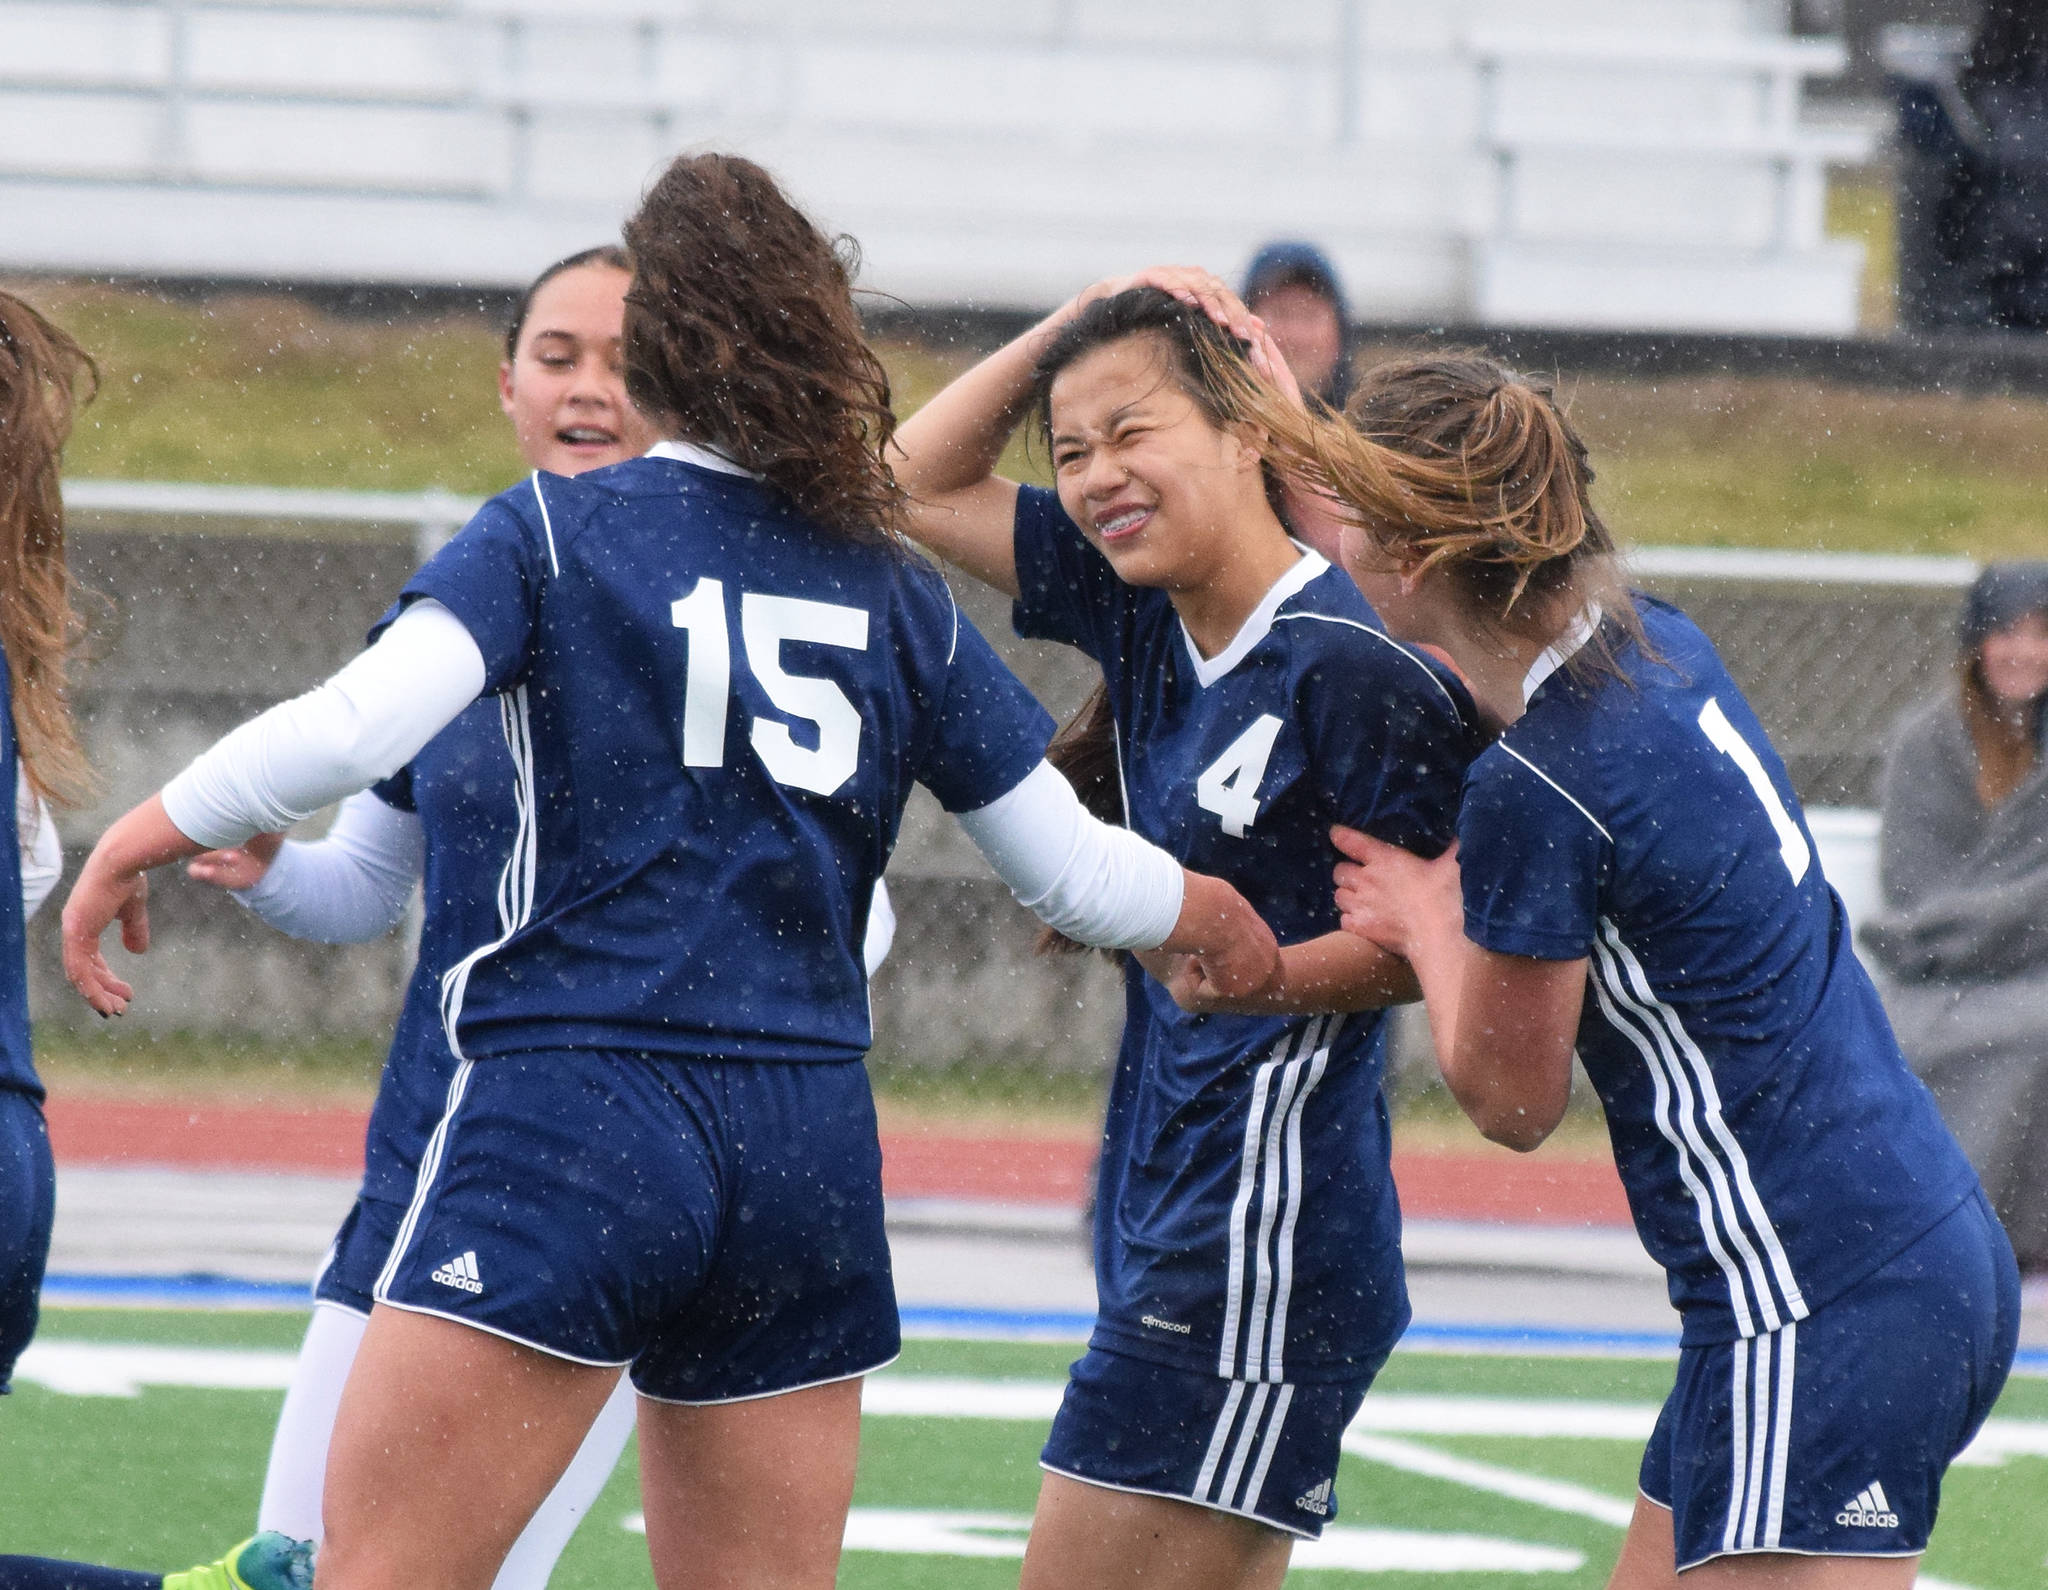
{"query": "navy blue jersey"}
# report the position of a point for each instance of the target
(17, 1061)
(1238, 765)
(461, 787)
(715, 712)
(1774, 1147)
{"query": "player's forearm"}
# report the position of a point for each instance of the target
(348, 888)
(1505, 1048)
(956, 439)
(1336, 972)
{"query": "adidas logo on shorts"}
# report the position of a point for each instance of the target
(460, 1273)
(1869, 1509)
(1316, 1501)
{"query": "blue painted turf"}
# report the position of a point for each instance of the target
(976, 1324)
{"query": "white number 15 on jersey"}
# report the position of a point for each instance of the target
(765, 623)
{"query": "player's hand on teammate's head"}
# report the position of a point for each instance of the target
(1386, 895)
(1192, 285)
(97, 900)
(240, 868)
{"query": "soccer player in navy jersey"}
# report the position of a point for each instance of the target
(1634, 879)
(1247, 1233)
(717, 672)
(446, 821)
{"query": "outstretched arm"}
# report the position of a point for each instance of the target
(947, 452)
(347, 887)
(1103, 885)
(1504, 1025)
(362, 725)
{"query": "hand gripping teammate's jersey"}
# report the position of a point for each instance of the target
(1247, 1220)
(17, 1063)
(460, 787)
(1774, 1147)
(715, 712)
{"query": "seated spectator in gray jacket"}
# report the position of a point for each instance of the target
(1963, 937)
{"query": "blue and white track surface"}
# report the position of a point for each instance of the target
(209, 1239)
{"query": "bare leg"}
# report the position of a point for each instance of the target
(1648, 1562)
(446, 1441)
(546, 1536)
(750, 1495)
(1085, 1537)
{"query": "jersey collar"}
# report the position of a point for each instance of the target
(1253, 630)
(702, 457)
(1560, 651)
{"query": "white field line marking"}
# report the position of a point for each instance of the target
(906, 1531)
(1560, 1496)
(123, 1369)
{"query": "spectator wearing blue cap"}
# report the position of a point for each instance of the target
(1963, 937)
(1293, 287)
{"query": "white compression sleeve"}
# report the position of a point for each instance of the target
(350, 885)
(364, 724)
(1097, 883)
(42, 852)
(881, 929)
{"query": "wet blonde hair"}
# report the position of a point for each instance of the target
(1451, 461)
(42, 371)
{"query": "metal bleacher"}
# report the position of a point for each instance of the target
(1639, 163)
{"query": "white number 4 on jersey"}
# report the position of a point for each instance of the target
(1229, 786)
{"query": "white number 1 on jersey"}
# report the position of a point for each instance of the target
(765, 623)
(1791, 842)
(1229, 786)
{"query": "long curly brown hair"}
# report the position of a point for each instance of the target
(741, 335)
(42, 372)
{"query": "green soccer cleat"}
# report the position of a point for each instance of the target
(268, 1562)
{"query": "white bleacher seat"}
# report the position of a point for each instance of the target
(1592, 162)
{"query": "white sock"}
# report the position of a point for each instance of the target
(298, 1452)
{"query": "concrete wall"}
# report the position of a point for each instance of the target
(204, 629)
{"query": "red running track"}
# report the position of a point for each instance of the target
(1480, 1183)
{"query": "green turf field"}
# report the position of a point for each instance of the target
(168, 1474)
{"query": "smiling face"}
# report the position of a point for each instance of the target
(1153, 482)
(564, 389)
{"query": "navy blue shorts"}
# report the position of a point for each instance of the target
(348, 1277)
(1261, 1449)
(1829, 1437)
(28, 1200)
(715, 1225)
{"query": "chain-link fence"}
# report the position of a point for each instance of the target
(219, 603)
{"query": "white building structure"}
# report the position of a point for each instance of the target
(1593, 163)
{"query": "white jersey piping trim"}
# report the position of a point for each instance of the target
(1175, 1496)
(1553, 783)
(1258, 623)
(1710, 1101)
(1384, 639)
(547, 524)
